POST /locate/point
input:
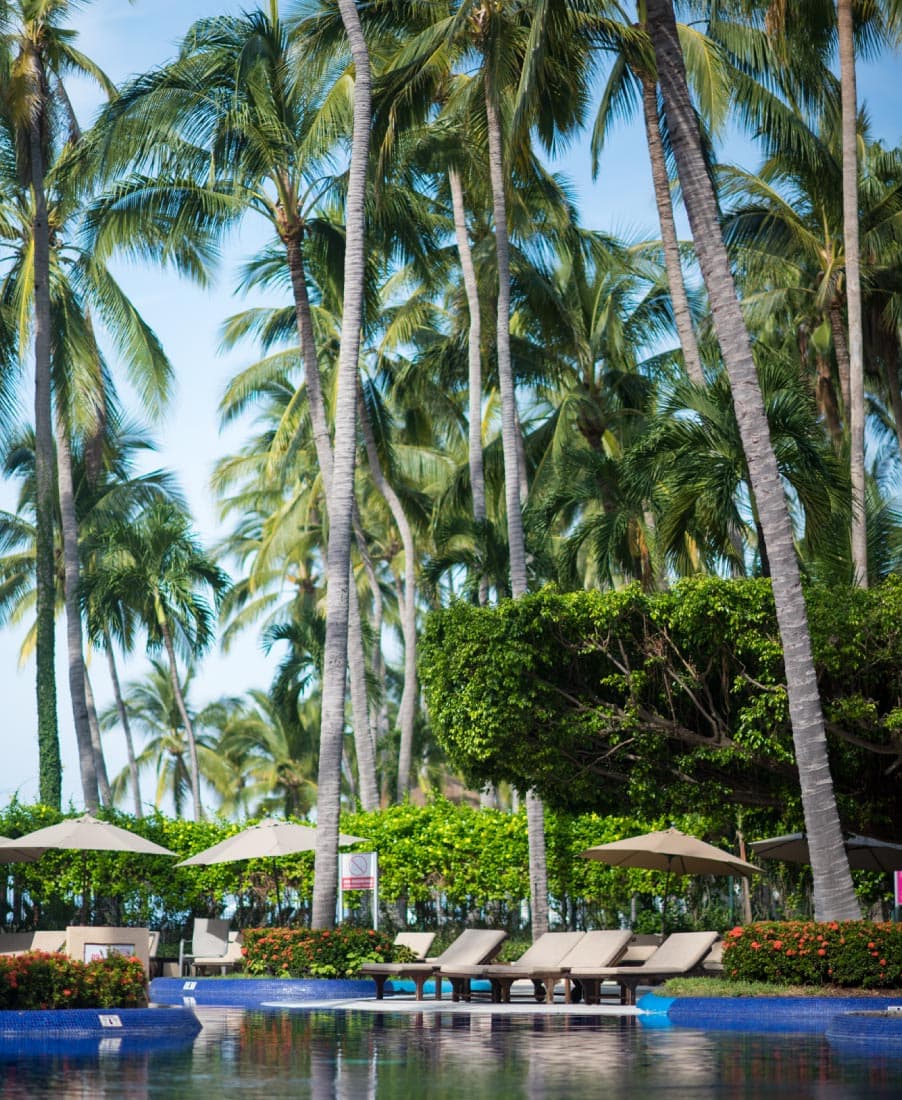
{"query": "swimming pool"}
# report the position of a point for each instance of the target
(323, 1055)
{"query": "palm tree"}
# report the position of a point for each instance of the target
(834, 892)
(36, 50)
(154, 709)
(273, 743)
(271, 140)
(153, 565)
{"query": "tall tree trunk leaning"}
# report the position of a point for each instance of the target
(126, 725)
(364, 742)
(87, 762)
(474, 365)
(855, 411)
(514, 479)
(50, 765)
(103, 779)
(187, 724)
(341, 497)
(670, 244)
(408, 706)
(834, 895)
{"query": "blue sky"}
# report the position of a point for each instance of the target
(128, 38)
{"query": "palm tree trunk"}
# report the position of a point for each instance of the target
(126, 725)
(50, 765)
(516, 545)
(671, 246)
(514, 477)
(364, 743)
(341, 496)
(474, 364)
(408, 706)
(538, 864)
(103, 779)
(853, 289)
(87, 763)
(187, 724)
(834, 894)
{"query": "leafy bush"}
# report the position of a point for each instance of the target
(305, 953)
(38, 979)
(863, 954)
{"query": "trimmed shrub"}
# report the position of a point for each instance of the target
(306, 953)
(862, 954)
(39, 979)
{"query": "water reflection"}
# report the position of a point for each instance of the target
(386, 1056)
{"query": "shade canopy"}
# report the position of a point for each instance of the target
(671, 851)
(269, 838)
(864, 852)
(12, 854)
(86, 833)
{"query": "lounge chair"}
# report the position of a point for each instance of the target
(212, 946)
(545, 955)
(471, 948)
(544, 963)
(418, 942)
(680, 954)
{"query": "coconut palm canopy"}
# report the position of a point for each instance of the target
(267, 839)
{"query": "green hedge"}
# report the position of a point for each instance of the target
(38, 979)
(302, 953)
(863, 954)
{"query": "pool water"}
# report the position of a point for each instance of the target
(369, 1056)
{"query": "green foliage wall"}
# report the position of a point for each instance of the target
(662, 704)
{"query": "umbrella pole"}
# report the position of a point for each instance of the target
(664, 902)
(84, 887)
(275, 879)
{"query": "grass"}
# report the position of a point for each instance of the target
(729, 987)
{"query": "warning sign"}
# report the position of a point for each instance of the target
(358, 870)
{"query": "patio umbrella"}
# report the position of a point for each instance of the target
(15, 855)
(267, 840)
(864, 852)
(85, 833)
(673, 852)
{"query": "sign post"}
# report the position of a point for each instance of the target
(897, 892)
(360, 871)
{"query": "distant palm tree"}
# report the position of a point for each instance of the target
(153, 565)
(274, 748)
(155, 710)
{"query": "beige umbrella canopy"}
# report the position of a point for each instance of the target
(85, 833)
(673, 852)
(864, 852)
(11, 854)
(267, 840)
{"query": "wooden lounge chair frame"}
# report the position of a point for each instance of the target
(545, 967)
(472, 947)
(681, 954)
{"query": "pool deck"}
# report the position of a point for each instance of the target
(408, 1006)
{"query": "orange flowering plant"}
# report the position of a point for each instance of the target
(863, 954)
(315, 953)
(41, 979)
